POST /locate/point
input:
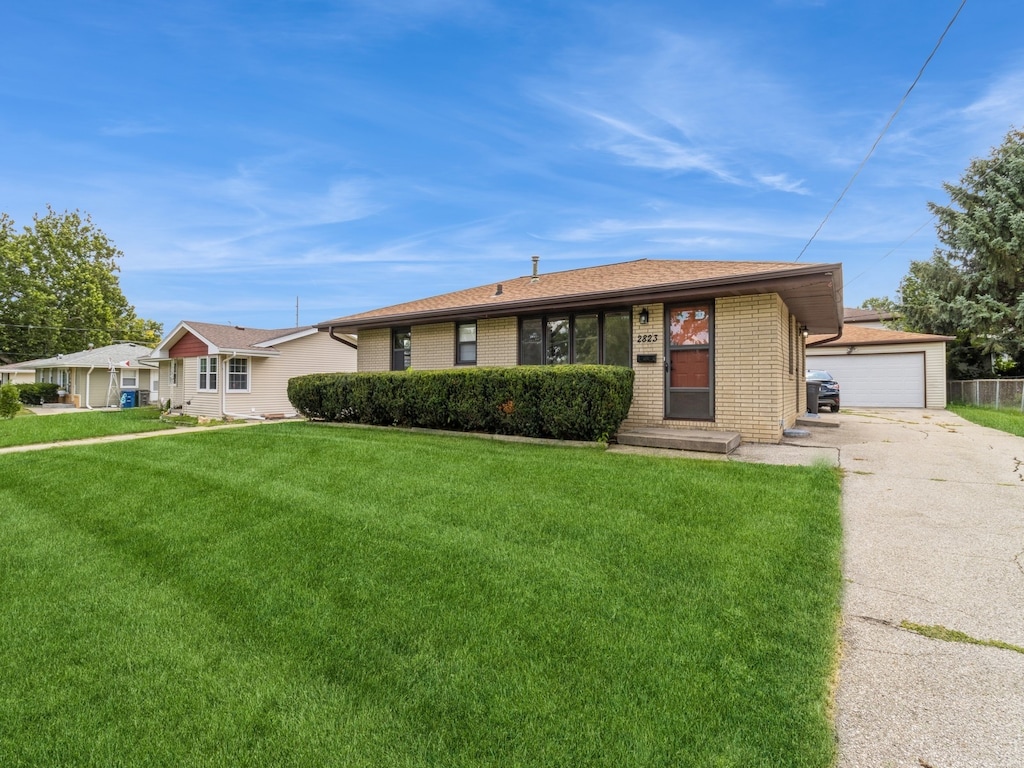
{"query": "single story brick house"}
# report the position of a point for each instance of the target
(716, 345)
(95, 378)
(208, 369)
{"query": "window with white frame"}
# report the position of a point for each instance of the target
(238, 374)
(174, 373)
(207, 374)
(129, 378)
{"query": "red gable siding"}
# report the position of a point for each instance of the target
(189, 346)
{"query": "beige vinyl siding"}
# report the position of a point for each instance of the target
(268, 377)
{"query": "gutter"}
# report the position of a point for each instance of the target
(346, 342)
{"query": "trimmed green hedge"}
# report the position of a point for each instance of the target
(566, 402)
(37, 392)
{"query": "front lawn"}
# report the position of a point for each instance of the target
(76, 426)
(1004, 419)
(300, 594)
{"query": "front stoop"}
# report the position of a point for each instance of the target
(681, 439)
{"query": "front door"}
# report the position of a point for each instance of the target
(689, 374)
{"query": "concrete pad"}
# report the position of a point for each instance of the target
(681, 439)
(933, 515)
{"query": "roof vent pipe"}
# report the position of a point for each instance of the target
(535, 260)
(497, 291)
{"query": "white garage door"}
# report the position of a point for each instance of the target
(876, 381)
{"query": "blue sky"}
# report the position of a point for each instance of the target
(358, 154)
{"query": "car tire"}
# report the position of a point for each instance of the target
(835, 408)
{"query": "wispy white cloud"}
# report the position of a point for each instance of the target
(674, 103)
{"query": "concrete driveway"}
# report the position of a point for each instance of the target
(933, 510)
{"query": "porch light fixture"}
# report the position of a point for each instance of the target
(803, 330)
(644, 316)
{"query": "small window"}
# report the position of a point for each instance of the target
(129, 378)
(207, 374)
(465, 339)
(238, 374)
(174, 373)
(401, 348)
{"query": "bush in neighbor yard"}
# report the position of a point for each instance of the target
(10, 402)
(37, 392)
(566, 402)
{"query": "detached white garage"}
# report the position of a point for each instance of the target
(878, 368)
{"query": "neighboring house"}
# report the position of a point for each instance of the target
(879, 368)
(716, 345)
(95, 378)
(18, 373)
(867, 318)
(229, 371)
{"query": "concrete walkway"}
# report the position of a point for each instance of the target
(933, 513)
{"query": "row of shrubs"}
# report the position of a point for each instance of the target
(37, 392)
(570, 402)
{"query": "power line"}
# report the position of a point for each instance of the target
(880, 135)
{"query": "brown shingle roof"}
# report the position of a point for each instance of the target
(601, 284)
(855, 335)
(236, 337)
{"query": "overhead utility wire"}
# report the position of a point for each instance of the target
(880, 135)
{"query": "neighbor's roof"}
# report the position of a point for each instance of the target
(24, 365)
(226, 339)
(855, 335)
(812, 291)
(98, 357)
(857, 315)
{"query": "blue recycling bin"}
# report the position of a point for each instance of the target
(129, 398)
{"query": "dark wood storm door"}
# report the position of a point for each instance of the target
(689, 362)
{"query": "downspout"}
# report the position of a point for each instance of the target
(346, 342)
(88, 379)
(223, 394)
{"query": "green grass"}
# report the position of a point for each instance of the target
(939, 632)
(76, 426)
(298, 594)
(1005, 420)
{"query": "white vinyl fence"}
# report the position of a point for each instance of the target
(994, 393)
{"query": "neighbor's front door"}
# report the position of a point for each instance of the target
(689, 379)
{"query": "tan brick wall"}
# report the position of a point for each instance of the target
(374, 350)
(497, 342)
(750, 364)
(433, 346)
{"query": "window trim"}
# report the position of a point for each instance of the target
(247, 373)
(570, 317)
(211, 372)
(458, 343)
(134, 378)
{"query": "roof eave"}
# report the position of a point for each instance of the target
(812, 289)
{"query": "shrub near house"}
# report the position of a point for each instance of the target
(573, 402)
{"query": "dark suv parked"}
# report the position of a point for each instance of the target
(829, 393)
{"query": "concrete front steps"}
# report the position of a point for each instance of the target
(680, 439)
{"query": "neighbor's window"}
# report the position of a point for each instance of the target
(129, 378)
(401, 348)
(238, 374)
(586, 337)
(174, 373)
(465, 343)
(207, 374)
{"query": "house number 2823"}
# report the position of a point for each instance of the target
(645, 338)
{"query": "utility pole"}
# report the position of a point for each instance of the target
(296, 311)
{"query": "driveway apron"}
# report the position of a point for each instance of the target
(933, 514)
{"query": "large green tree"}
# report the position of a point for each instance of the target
(973, 286)
(59, 290)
